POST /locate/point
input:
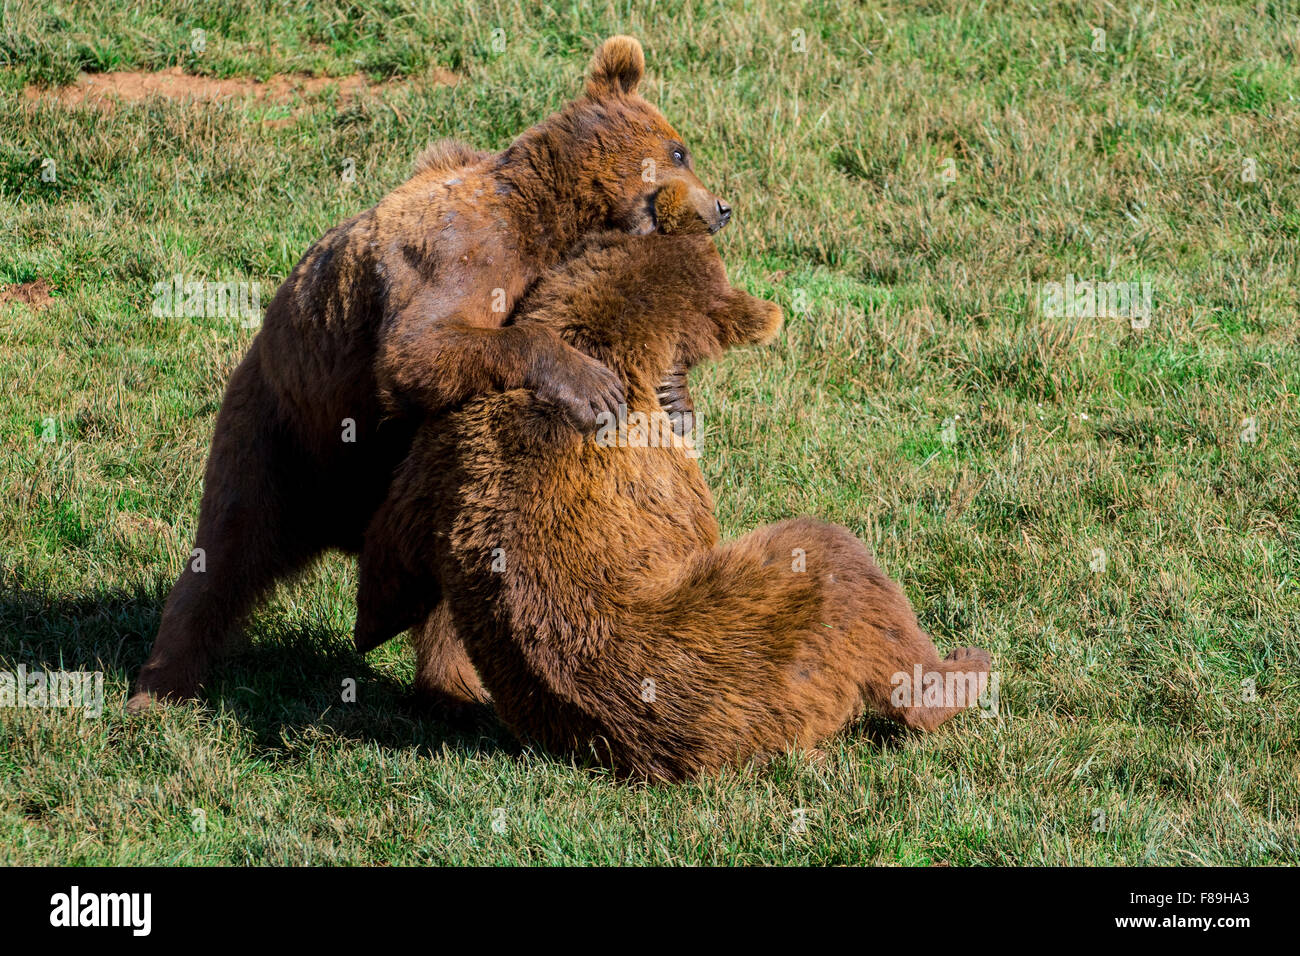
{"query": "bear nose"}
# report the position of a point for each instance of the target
(724, 213)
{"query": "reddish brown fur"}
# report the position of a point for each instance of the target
(613, 574)
(397, 313)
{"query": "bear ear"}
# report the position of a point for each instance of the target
(617, 67)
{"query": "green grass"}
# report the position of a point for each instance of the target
(1121, 691)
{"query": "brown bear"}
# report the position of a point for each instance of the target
(584, 573)
(397, 313)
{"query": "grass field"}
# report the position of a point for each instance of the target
(908, 178)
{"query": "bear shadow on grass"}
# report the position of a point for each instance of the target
(275, 686)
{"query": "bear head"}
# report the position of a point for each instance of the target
(645, 304)
(613, 151)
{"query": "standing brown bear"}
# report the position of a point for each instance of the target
(585, 576)
(398, 313)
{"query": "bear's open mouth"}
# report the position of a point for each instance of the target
(651, 222)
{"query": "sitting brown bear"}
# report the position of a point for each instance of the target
(585, 575)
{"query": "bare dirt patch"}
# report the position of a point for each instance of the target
(106, 89)
(35, 294)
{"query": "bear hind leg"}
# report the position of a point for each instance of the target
(254, 529)
(445, 680)
(962, 676)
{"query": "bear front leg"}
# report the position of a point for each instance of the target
(440, 364)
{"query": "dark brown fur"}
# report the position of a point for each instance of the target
(397, 313)
(618, 625)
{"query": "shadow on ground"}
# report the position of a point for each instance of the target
(286, 682)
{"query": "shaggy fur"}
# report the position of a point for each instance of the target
(398, 313)
(587, 581)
